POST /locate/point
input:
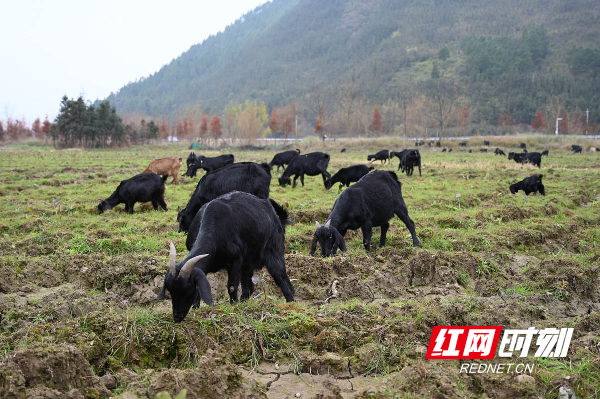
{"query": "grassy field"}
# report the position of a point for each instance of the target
(78, 289)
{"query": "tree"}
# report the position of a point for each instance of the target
(463, 117)
(538, 121)
(203, 127)
(35, 127)
(274, 122)
(215, 127)
(377, 124)
(443, 54)
(1, 131)
(320, 124)
(152, 130)
(46, 126)
(163, 128)
(287, 124)
(442, 96)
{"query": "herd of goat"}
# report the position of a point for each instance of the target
(232, 224)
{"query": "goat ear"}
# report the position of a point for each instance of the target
(541, 176)
(318, 224)
(328, 223)
(204, 287)
(339, 240)
(178, 209)
(313, 247)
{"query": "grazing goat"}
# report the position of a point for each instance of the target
(165, 166)
(545, 152)
(498, 151)
(527, 157)
(237, 232)
(483, 149)
(576, 148)
(449, 149)
(463, 144)
(145, 187)
(371, 202)
(248, 177)
(191, 159)
(532, 184)
(438, 143)
(209, 164)
(470, 150)
(343, 150)
(410, 159)
(419, 143)
(444, 150)
(283, 158)
(348, 175)
(383, 156)
(523, 145)
(486, 142)
(312, 164)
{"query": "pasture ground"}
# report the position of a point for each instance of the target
(78, 289)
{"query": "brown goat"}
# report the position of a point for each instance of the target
(165, 166)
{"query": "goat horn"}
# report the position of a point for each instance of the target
(186, 270)
(172, 259)
(318, 224)
(328, 223)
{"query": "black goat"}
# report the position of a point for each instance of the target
(419, 143)
(463, 144)
(545, 152)
(311, 164)
(371, 202)
(498, 151)
(532, 184)
(240, 233)
(523, 145)
(576, 148)
(449, 149)
(348, 175)
(526, 157)
(145, 187)
(383, 156)
(444, 150)
(248, 177)
(209, 164)
(343, 150)
(438, 143)
(483, 149)
(283, 158)
(410, 159)
(429, 143)
(470, 150)
(486, 142)
(191, 159)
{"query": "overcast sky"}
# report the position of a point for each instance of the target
(49, 48)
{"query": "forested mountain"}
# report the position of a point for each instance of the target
(504, 60)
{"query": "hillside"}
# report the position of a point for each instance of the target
(509, 57)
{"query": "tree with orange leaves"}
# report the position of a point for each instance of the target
(377, 124)
(463, 116)
(35, 127)
(538, 121)
(203, 127)
(274, 122)
(163, 128)
(320, 125)
(46, 127)
(215, 127)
